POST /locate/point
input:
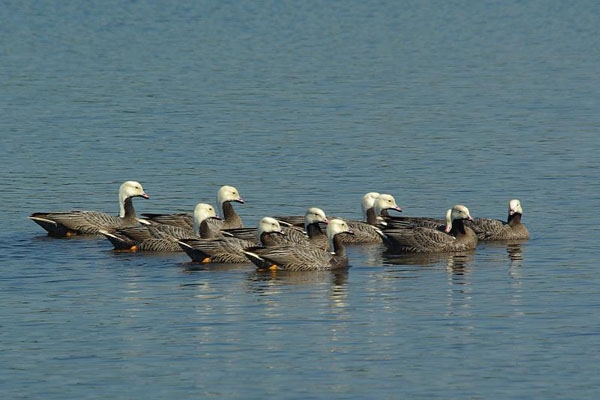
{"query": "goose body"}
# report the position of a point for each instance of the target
(455, 237)
(304, 257)
(495, 229)
(229, 249)
(414, 222)
(76, 222)
(161, 237)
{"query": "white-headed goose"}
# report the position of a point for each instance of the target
(453, 238)
(304, 257)
(161, 237)
(229, 249)
(75, 222)
(495, 229)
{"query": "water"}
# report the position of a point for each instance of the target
(301, 104)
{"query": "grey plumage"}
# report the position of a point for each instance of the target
(312, 232)
(367, 232)
(160, 237)
(494, 229)
(229, 218)
(76, 222)
(304, 257)
(228, 249)
(429, 240)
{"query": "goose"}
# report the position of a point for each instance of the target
(77, 222)
(229, 249)
(366, 206)
(367, 232)
(161, 237)
(304, 257)
(495, 229)
(455, 236)
(230, 219)
(312, 232)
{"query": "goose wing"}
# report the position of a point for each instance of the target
(486, 228)
(290, 258)
(78, 222)
(219, 250)
(184, 220)
(364, 233)
(418, 240)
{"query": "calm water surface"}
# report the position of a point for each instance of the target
(301, 104)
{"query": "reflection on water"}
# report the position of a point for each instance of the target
(451, 260)
(336, 277)
(269, 283)
(191, 267)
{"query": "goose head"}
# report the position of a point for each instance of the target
(368, 201)
(128, 190)
(314, 215)
(460, 212)
(335, 227)
(268, 225)
(385, 202)
(202, 212)
(514, 207)
(227, 194)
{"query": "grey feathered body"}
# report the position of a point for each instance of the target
(220, 250)
(495, 229)
(158, 238)
(429, 240)
(299, 257)
(364, 233)
(61, 224)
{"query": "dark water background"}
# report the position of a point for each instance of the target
(301, 104)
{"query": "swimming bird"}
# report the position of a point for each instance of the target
(495, 229)
(76, 222)
(229, 249)
(312, 232)
(369, 232)
(229, 218)
(161, 237)
(304, 257)
(455, 236)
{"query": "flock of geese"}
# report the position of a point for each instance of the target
(293, 243)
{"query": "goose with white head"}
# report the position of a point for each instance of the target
(495, 229)
(304, 258)
(368, 232)
(76, 222)
(161, 237)
(454, 237)
(229, 249)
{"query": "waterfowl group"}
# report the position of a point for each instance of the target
(283, 243)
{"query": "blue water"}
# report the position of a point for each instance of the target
(301, 104)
